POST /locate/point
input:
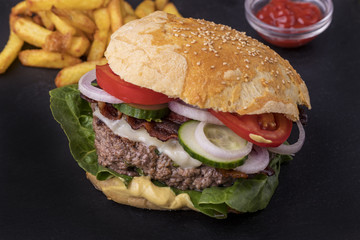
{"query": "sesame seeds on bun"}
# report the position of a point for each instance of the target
(207, 65)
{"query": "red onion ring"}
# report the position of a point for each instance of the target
(257, 161)
(293, 148)
(92, 92)
(211, 148)
(186, 110)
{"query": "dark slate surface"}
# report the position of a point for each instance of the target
(45, 195)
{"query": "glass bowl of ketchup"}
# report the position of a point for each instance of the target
(289, 23)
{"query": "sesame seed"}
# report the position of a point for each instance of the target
(198, 63)
(186, 51)
(188, 45)
(216, 55)
(283, 81)
(176, 35)
(193, 41)
(204, 49)
(224, 63)
(245, 107)
(195, 53)
(236, 53)
(237, 78)
(212, 67)
(247, 66)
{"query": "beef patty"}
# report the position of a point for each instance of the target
(126, 157)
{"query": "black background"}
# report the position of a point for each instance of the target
(45, 195)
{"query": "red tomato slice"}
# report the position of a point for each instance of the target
(246, 125)
(130, 93)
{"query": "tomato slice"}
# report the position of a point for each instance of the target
(248, 127)
(128, 92)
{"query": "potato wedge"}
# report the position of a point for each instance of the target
(129, 18)
(102, 19)
(61, 24)
(77, 19)
(79, 46)
(46, 20)
(10, 51)
(78, 4)
(71, 75)
(46, 59)
(145, 8)
(40, 5)
(57, 42)
(170, 8)
(98, 46)
(160, 4)
(30, 32)
(20, 8)
(128, 9)
(115, 12)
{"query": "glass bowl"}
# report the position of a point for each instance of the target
(288, 37)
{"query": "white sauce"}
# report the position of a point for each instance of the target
(171, 148)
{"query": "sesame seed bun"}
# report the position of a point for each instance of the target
(207, 65)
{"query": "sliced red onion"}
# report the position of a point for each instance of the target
(293, 148)
(193, 112)
(92, 92)
(257, 161)
(211, 148)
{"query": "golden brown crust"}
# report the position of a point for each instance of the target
(207, 65)
(115, 190)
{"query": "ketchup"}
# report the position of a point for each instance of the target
(289, 14)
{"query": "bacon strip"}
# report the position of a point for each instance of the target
(163, 130)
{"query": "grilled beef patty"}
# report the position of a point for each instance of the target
(125, 156)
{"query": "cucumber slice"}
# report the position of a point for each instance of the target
(188, 141)
(147, 112)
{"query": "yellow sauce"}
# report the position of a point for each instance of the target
(141, 187)
(259, 139)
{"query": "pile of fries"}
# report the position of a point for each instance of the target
(71, 35)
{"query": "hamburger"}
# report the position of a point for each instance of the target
(187, 114)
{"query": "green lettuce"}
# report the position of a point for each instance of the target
(75, 117)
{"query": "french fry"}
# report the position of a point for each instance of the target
(77, 19)
(160, 4)
(20, 8)
(129, 18)
(102, 19)
(46, 59)
(40, 5)
(79, 46)
(30, 32)
(10, 51)
(78, 4)
(60, 24)
(170, 8)
(115, 12)
(57, 42)
(128, 8)
(98, 46)
(106, 3)
(145, 8)
(71, 75)
(46, 20)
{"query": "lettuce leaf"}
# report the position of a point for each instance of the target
(75, 117)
